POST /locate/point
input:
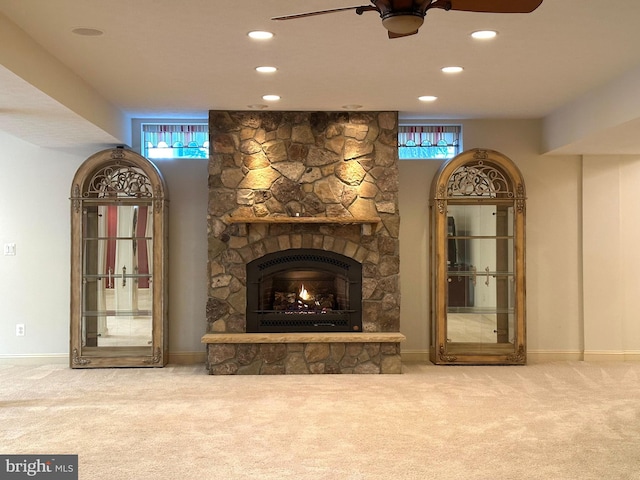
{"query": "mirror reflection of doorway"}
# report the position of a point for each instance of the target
(480, 274)
(118, 240)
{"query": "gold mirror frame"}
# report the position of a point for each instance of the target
(483, 181)
(125, 180)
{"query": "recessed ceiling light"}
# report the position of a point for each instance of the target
(260, 35)
(452, 69)
(427, 98)
(87, 31)
(266, 69)
(484, 34)
(258, 106)
(271, 98)
(353, 106)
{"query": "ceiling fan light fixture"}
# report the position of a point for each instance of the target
(402, 23)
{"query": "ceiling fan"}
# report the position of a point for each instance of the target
(402, 18)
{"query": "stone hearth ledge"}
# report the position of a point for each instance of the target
(303, 352)
(299, 337)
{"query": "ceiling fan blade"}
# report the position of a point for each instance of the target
(399, 35)
(488, 6)
(359, 10)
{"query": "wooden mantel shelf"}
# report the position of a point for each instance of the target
(302, 220)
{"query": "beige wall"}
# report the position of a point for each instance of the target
(611, 234)
(582, 255)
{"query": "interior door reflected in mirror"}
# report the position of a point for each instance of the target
(118, 307)
(480, 275)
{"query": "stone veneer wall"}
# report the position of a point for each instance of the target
(320, 164)
(300, 358)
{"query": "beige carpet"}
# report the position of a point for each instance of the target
(543, 421)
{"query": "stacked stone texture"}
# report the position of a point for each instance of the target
(302, 358)
(307, 164)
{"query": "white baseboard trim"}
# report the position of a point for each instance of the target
(611, 356)
(422, 356)
(187, 358)
(415, 356)
(546, 356)
(177, 358)
(34, 359)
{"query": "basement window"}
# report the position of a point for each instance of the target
(429, 142)
(175, 140)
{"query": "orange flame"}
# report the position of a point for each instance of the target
(304, 294)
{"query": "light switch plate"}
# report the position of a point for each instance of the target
(9, 248)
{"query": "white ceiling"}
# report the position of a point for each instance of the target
(168, 58)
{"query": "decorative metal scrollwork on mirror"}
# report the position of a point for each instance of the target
(119, 214)
(477, 261)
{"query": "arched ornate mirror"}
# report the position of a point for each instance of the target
(118, 263)
(477, 261)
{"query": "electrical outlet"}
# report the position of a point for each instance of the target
(19, 329)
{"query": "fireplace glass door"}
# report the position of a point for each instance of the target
(304, 290)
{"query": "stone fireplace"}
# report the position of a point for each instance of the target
(303, 199)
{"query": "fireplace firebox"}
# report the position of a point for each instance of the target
(304, 290)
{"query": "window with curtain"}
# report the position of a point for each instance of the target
(175, 140)
(429, 141)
